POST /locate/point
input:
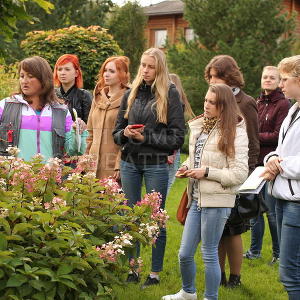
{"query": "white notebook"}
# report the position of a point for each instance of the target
(254, 183)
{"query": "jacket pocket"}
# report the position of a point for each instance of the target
(58, 142)
(294, 186)
(4, 142)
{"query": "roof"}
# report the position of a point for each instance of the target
(169, 7)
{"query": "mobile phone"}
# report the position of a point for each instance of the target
(135, 126)
(181, 175)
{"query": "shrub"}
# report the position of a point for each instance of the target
(93, 45)
(8, 80)
(66, 239)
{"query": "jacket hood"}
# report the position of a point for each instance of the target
(274, 96)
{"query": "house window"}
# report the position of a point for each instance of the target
(189, 34)
(160, 38)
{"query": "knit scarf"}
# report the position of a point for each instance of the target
(208, 124)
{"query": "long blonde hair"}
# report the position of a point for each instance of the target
(160, 85)
(187, 107)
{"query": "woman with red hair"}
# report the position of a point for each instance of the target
(68, 78)
(113, 81)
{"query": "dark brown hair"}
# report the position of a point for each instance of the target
(227, 69)
(229, 117)
(39, 68)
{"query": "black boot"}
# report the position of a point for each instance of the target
(234, 281)
(223, 279)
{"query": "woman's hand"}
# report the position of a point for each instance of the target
(196, 173)
(116, 175)
(267, 175)
(181, 172)
(273, 165)
(135, 133)
(82, 125)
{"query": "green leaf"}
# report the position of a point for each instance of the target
(39, 296)
(3, 242)
(14, 297)
(61, 290)
(25, 290)
(45, 272)
(5, 225)
(21, 227)
(69, 284)
(64, 269)
(37, 284)
(16, 280)
(1, 273)
(46, 5)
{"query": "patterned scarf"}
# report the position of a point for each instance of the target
(208, 124)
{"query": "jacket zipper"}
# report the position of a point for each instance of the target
(38, 132)
(291, 188)
(201, 158)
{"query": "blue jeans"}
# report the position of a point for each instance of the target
(258, 226)
(288, 225)
(156, 178)
(206, 224)
(173, 169)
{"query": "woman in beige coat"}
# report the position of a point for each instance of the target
(216, 166)
(113, 80)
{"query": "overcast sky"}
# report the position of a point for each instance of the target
(142, 2)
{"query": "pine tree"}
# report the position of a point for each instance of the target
(127, 24)
(255, 32)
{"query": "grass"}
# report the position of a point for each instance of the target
(259, 280)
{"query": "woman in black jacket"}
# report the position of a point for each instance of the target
(68, 78)
(149, 127)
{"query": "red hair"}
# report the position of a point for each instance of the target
(122, 66)
(64, 59)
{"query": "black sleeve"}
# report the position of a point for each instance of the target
(172, 137)
(121, 122)
(86, 105)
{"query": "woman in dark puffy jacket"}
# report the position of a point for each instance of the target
(149, 127)
(68, 78)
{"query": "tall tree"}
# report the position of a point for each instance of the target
(127, 24)
(11, 12)
(64, 14)
(255, 32)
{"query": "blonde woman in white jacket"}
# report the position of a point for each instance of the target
(283, 170)
(216, 166)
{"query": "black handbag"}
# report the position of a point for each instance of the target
(247, 206)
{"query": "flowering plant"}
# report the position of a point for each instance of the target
(63, 233)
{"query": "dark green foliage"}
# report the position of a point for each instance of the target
(64, 14)
(93, 45)
(127, 24)
(52, 232)
(10, 13)
(254, 32)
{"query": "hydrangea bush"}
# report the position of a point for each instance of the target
(63, 233)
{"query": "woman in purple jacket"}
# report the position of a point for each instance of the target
(272, 109)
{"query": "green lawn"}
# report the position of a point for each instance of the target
(259, 280)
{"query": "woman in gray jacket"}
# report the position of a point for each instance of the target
(216, 166)
(283, 170)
